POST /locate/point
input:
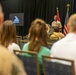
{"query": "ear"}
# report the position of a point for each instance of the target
(68, 27)
(0, 8)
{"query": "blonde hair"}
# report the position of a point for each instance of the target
(8, 34)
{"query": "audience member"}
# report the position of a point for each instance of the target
(1, 15)
(66, 47)
(38, 40)
(56, 34)
(10, 64)
(1, 19)
(8, 36)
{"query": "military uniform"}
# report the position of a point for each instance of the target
(57, 23)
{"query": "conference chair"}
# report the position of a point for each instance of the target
(18, 39)
(54, 66)
(25, 37)
(30, 62)
(51, 30)
(22, 42)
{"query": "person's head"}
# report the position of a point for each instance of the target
(38, 35)
(1, 18)
(8, 34)
(0, 8)
(72, 23)
(56, 29)
(55, 18)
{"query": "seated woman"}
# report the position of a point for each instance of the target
(8, 36)
(38, 40)
(56, 34)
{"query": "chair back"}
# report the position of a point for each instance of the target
(30, 62)
(18, 39)
(53, 67)
(25, 37)
(22, 42)
(51, 30)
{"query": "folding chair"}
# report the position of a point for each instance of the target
(30, 62)
(22, 42)
(18, 39)
(25, 37)
(51, 66)
(51, 30)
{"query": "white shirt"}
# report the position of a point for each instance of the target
(65, 48)
(13, 46)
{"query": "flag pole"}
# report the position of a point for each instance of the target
(66, 20)
(68, 6)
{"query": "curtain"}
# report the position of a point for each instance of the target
(32, 9)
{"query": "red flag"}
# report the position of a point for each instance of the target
(58, 16)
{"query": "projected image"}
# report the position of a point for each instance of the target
(17, 18)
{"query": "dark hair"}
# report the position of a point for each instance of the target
(38, 35)
(8, 34)
(56, 29)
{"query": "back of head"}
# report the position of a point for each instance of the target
(8, 33)
(38, 35)
(56, 29)
(72, 23)
(1, 18)
(1, 14)
(9, 63)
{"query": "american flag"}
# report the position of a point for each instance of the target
(65, 30)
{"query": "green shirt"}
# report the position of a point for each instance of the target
(43, 51)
